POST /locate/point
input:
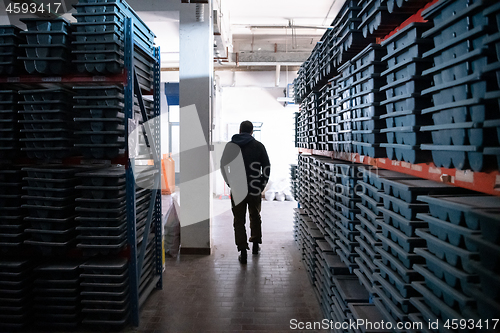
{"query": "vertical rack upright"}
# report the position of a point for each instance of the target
(153, 139)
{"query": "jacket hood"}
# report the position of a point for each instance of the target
(242, 139)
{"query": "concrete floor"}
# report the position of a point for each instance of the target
(217, 294)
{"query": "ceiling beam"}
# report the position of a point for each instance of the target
(234, 68)
(273, 57)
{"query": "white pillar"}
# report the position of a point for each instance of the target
(196, 82)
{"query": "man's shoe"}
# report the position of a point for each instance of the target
(243, 257)
(255, 248)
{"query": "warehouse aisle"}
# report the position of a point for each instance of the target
(216, 294)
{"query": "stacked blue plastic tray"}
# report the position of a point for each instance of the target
(331, 264)
(296, 128)
(144, 68)
(15, 294)
(56, 295)
(345, 214)
(325, 55)
(492, 124)
(312, 234)
(316, 66)
(12, 225)
(101, 212)
(312, 68)
(459, 84)
(323, 283)
(347, 290)
(331, 124)
(369, 228)
(454, 244)
(333, 267)
(329, 116)
(343, 107)
(105, 292)
(295, 231)
(318, 192)
(48, 45)
(48, 123)
(301, 233)
(296, 227)
(9, 126)
(300, 84)
(143, 148)
(302, 230)
(101, 209)
(376, 21)
(369, 313)
(366, 100)
(403, 101)
(149, 271)
(294, 180)
(50, 206)
(302, 137)
(330, 183)
(306, 66)
(389, 276)
(10, 38)
(401, 244)
(315, 229)
(348, 37)
(100, 35)
(101, 124)
(304, 180)
(487, 293)
(322, 111)
(404, 7)
(311, 106)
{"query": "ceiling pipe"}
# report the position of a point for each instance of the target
(288, 26)
(261, 63)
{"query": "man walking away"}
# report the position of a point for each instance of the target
(245, 167)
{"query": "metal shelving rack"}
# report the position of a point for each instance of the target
(485, 182)
(378, 221)
(153, 140)
(151, 132)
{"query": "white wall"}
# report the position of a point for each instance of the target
(253, 96)
(243, 95)
(169, 76)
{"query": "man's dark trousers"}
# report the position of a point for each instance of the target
(239, 212)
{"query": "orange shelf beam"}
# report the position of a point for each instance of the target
(485, 182)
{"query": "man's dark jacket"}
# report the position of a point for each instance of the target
(255, 159)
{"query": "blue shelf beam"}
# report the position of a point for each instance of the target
(151, 132)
